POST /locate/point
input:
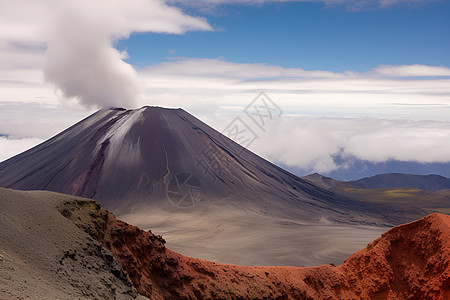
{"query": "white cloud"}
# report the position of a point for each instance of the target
(311, 143)
(369, 115)
(412, 70)
(12, 147)
(191, 83)
(350, 4)
(424, 141)
(79, 38)
(374, 116)
(20, 120)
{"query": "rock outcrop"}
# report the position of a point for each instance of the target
(411, 261)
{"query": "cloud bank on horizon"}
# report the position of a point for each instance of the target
(388, 112)
(413, 91)
(350, 4)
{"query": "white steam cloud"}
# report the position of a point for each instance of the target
(79, 36)
(81, 60)
(82, 63)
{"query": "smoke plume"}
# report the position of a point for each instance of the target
(81, 60)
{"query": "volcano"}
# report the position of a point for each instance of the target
(166, 170)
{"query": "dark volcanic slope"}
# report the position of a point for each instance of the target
(323, 181)
(128, 157)
(135, 161)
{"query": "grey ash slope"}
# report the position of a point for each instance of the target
(123, 158)
(43, 255)
(127, 158)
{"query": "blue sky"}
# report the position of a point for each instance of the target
(308, 35)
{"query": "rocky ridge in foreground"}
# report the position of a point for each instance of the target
(44, 252)
(410, 261)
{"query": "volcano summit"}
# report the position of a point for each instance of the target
(210, 197)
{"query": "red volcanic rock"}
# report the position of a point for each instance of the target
(410, 261)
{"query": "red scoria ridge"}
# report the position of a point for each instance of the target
(410, 261)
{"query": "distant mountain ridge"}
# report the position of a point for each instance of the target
(356, 168)
(410, 196)
(390, 180)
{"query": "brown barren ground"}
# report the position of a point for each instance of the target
(410, 261)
